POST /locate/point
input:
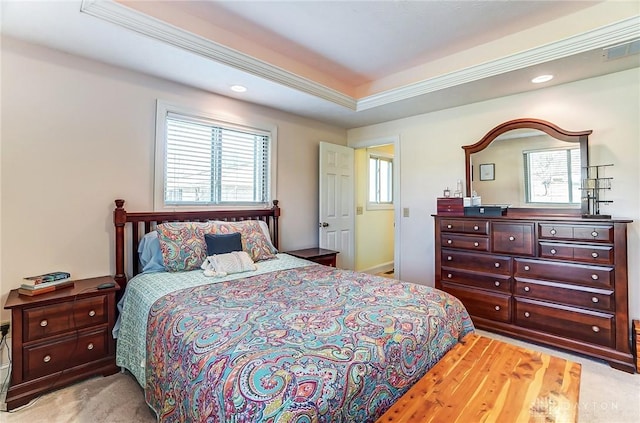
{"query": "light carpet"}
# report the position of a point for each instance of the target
(606, 396)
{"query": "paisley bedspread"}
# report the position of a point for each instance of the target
(309, 344)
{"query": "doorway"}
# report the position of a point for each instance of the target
(376, 198)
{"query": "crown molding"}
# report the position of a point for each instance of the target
(125, 17)
(141, 23)
(608, 35)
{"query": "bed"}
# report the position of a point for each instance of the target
(286, 341)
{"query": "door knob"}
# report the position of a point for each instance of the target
(323, 224)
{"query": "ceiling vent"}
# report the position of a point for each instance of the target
(621, 50)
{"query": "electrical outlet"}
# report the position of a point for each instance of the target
(4, 328)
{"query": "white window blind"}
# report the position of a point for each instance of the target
(214, 163)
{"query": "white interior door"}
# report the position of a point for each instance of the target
(337, 204)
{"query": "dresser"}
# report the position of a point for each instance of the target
(60, 337)
(551, 280)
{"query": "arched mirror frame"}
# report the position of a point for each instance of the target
(550, 129)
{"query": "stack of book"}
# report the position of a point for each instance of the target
(49, 282)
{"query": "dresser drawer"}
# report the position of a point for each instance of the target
(513, 238)
(593, 298)
(47, 358)
(41, 322)
(483, 304)
(477, 280)
(468, 242)
(487, 263)
(480, 227)
(598, 233)
(583, 274)
(570, 322)
(596, 254)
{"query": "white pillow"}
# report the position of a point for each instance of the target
(220, 265)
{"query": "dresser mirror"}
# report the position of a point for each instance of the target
(529, 164)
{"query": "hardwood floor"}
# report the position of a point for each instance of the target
(484, 379)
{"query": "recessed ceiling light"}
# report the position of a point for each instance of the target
(238, 88)
(542, 78)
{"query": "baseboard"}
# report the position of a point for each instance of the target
(381, 268)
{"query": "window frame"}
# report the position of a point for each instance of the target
(378, 205)
(163, 108)
(570, 180)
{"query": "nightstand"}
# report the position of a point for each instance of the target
(60, 337)
(318, 255)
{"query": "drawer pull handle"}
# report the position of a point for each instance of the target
(475, 244)
(449, 226)
(527, 268)
(527, 314)
(596, 329)
(496, 283)
(449, 241)
(553, 251)
(553, 232)
(475, 228)
(497, 308)
(449, 275)
(594, 255)
(92, 313)
(527, 289)
(44, 323)
(47, 358)
(594, 234)
(512, 238)
(90, 346)
(594, 277)
(497, 264)
(595, 300)
(449, 258)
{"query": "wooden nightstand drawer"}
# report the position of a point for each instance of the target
(41, 322)
(47, 358)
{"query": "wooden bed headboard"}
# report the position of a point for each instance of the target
(144, 222)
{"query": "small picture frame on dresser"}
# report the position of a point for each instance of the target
(487, 171)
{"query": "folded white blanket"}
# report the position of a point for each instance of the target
(220, 265)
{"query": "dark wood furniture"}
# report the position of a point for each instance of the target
(317, 255)
(636, 342)
(551, 280)
(144, 222)
(493, 381)
(60, 337)
(576, 137)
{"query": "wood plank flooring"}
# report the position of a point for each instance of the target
(486, 380)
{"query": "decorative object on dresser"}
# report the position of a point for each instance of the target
(450, 206)
(60, 337)
(593, 188)
(317, 255)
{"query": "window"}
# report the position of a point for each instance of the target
(553, 176)
(380, 181)
(204, 161)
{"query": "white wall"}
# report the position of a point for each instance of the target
(432, 157)
(77, 134)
